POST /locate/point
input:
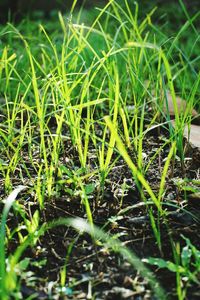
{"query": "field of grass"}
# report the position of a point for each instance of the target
(99, 193)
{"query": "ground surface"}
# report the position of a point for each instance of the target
(95, 269)
(65, 263)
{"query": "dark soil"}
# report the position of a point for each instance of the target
(94, 266)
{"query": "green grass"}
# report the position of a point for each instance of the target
(64, 81)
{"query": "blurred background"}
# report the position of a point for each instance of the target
(15, 10)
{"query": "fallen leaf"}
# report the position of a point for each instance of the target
(192, 134)
(168, 105)
(181, 105)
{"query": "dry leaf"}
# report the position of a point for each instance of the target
(192, 134)
(181, 104)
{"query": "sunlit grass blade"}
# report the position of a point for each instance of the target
(82, 226)
(136, 173)
(8, 204)
(165, 170)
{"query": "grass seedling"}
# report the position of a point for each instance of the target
(186, 266)
(143, 183)
(115, 245)
(4, 284)
(136, 173)
(75, 99)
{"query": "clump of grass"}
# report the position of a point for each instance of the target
(84, 88)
